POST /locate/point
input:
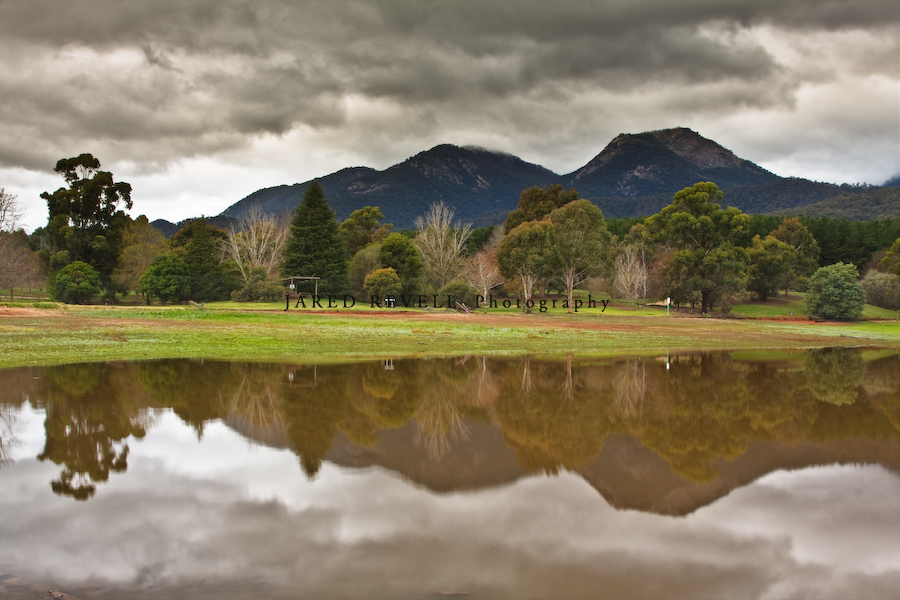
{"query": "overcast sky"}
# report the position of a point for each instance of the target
(198, 103)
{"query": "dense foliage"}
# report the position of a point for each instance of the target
(315, 247)
(834, 292)
(76, 283)
(85, 220)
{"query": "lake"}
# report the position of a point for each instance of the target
(710, 475)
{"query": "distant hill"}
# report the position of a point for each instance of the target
(634, 175)
(169, 229)
(481, 186)
(881, 203)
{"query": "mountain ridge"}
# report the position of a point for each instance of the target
(634, 175)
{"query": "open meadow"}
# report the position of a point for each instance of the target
(67, 334)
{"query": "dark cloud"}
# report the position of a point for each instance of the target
(164, 81)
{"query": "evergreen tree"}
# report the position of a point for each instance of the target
(315, 247)
(210, 278)
(834, 292)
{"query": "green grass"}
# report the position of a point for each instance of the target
(231, 331)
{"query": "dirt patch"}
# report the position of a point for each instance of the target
(7, 311)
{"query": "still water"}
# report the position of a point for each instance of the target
(769, 475)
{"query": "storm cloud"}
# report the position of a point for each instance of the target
(284, 91)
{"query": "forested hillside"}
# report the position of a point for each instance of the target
(634, 175)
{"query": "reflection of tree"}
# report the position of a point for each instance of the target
(91, 411)
(834, 374)
(630, 388)
(709, 407)
(553, 414)
(556, 420)
(8, 439)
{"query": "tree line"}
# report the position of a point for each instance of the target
(692, 251)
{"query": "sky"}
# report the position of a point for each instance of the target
(217, 514)
(198, 103)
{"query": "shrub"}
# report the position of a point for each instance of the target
(76, 283)
(834, 292)
(167, 278)
(382, 283)
(260, 288)
(882, 289)
(460, 291)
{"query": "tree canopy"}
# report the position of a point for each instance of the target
(536, 203)
(85, 220)
(708, 260)
(315, 248)
(834, 292)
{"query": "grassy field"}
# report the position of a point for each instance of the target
(30, 336)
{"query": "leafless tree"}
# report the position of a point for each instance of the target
(18, 265)
(440, 243)
(481, 271)
(10, 211)
(632, 274)
(257, 241)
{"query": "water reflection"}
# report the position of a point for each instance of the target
(193, 476)
(693, 411)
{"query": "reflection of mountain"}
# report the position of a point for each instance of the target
(647, 435)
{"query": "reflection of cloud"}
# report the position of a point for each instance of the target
(236, 516)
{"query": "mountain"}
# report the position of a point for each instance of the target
(482, 187)
(881, 203)
(646, 164)
(634, 175)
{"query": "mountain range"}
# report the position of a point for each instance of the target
(634, 175)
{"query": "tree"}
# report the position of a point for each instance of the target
(882, 289)
(85, 223)
(10, 211)
(383, 283)
(399, 253)
(536, 203)
(708, 258)
(891, 260)
(141, 244)
(631, 274)
(483, 273)
(528, 252)
(805, 250)
(834, 292)
(211, 278)
(167, 278)
(18, 265)
(632, 270)
(361, 227)
(580, 236)
(76, 283)
(257, 241)
(440, 243)
(363, 263)
(315, 248)
(770, 266)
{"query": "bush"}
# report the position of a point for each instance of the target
(382, 283)
(76, 283)
(882, 289)
(167, 278)
(460, 291)
(260, 288)
(834, 292)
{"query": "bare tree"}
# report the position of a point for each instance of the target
(632, 273)
(18, 265)
(10, 211)
(257, 241)
(440, 243)
(481, 271)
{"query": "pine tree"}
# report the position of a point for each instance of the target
(315, 247)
